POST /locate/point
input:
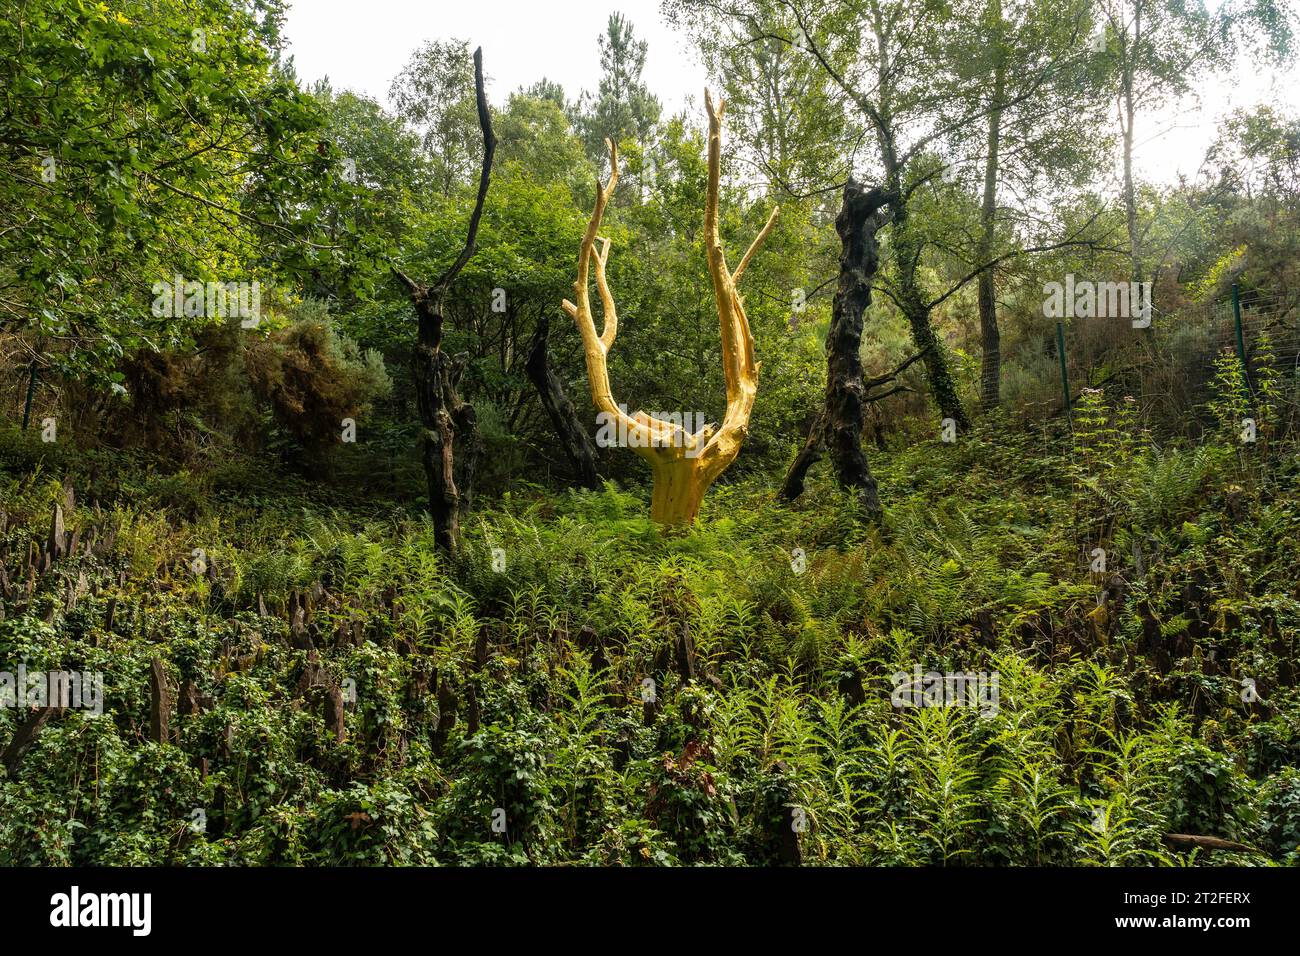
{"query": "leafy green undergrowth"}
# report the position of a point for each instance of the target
(577, 688)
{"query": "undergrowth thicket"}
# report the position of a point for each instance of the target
(609, 695)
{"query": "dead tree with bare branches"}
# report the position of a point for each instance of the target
(684, 464)
(838, 425)
(450, 443)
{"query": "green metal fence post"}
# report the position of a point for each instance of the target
(1241, 339)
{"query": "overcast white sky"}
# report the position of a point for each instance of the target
(362, 44)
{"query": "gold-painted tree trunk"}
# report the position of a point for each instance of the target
(684, 464)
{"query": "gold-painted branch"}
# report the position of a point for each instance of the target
(753, 248)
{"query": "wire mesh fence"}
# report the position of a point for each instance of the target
(1171, 368)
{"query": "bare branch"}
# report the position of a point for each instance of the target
(489, 149)
(890, 376)
(753, 248)
(1089, 243)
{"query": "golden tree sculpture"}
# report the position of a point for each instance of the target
(684, 464)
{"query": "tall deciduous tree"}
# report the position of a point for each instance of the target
(1040, 136)
(1159, 47)
(432, 94)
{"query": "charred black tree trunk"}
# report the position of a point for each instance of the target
(577, 444)
(839, 425)
(450, 443)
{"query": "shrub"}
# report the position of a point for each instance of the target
(313, 377)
